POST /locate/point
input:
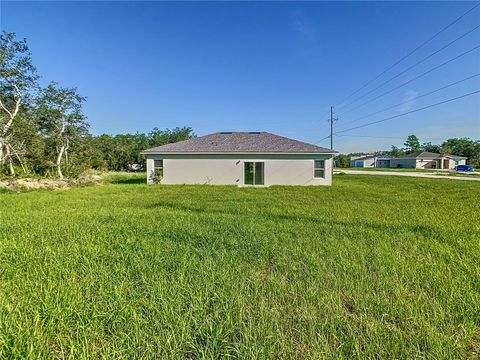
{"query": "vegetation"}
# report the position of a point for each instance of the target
(412, 144)
(128, 270)
(43, 131)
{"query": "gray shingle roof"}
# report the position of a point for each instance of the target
(365, 157)
(456, 157)
(239, 142)
(430, 155)
(423, 155)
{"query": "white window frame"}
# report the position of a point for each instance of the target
(254, 173)
(156, 167)
(315, 168)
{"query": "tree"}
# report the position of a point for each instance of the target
(18, 82)
(412, 144)
(122, 152)
(463, 147)
(45, 131)
(161, 137)
(342, 161)
(28, 142)
(395, 151)
(431, 147)
(61, 119)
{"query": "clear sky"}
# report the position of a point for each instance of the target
(257, 65)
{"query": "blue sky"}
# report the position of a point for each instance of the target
(256, 65)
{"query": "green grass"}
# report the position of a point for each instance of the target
(372, 267)
(434, 171)
(387, 169)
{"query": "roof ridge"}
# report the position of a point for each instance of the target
(241, 141)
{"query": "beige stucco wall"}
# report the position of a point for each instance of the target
(427, 164)
(452, 164)
(439, 164)
(229, 169)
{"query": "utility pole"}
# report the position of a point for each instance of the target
(331, 120)
(331, 127)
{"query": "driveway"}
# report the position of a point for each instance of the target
(405, 173)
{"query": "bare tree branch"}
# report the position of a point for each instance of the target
(18, 158)
(19, 100)
(5, 109)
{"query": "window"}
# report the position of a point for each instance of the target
(158, 169)
(253, 173)
(319, 169)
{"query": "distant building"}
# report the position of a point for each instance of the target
(418, 160)
(370, 161)
(427, 160)
(383, 161)
(363, 161)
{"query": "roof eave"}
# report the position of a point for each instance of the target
(456, 157)
(234, 153)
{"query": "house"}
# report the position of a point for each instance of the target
(372, 161)
(240, 158)
(363, 161)
(427, 160)
(383, 162)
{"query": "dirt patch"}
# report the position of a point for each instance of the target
(33, 184)
(27, 184)
(88, 180)
(348, 305)
(474, 347)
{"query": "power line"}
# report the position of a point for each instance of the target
(368, 136)
(414, 65)
(386, 137)
(415, 98)
(413, 79)
(411, 52)
(325, 138)
(409, 112)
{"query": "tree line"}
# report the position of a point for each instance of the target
(454, 146)
(44, 130)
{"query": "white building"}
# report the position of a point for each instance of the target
(363, 161)
(370, 161)
(240, 158)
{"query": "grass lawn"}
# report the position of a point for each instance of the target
(386, 169)
(372, 267)
(432, 171)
